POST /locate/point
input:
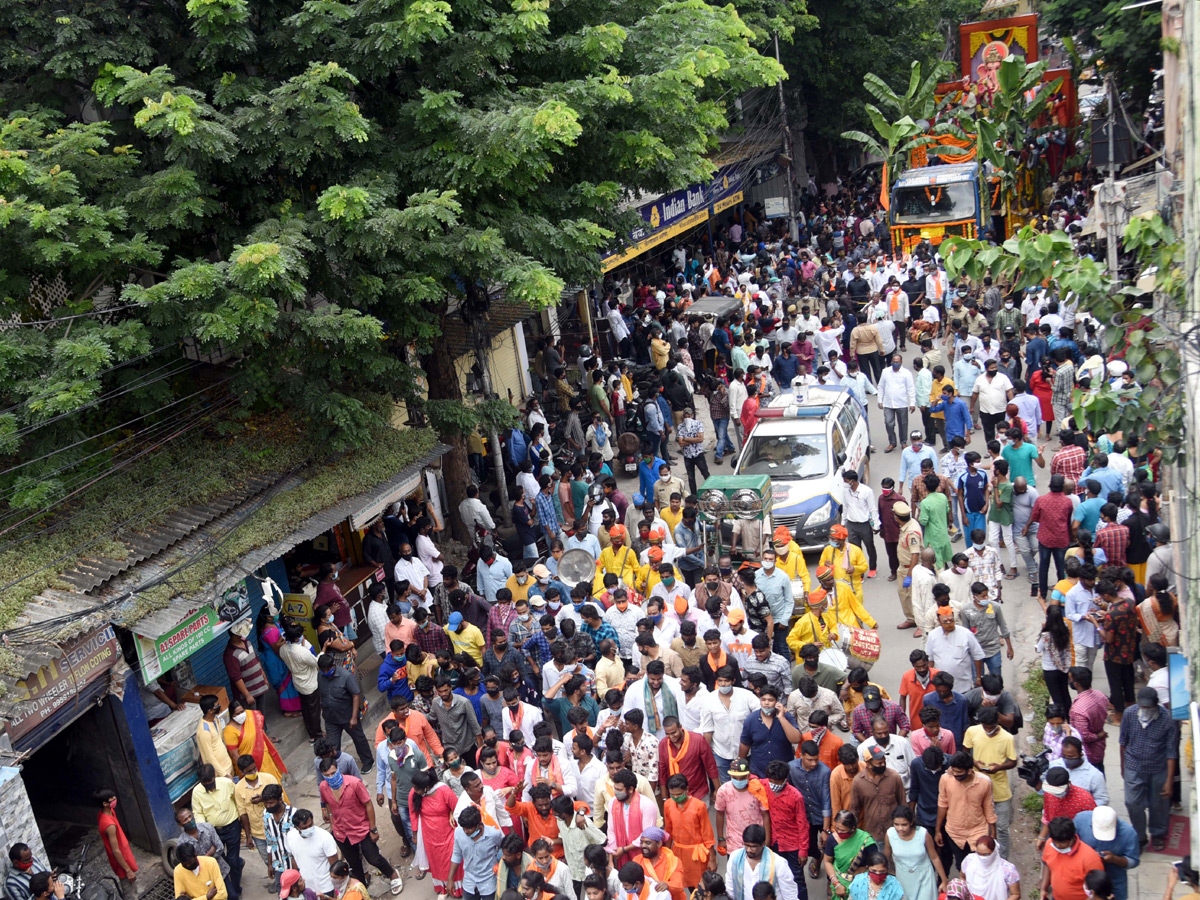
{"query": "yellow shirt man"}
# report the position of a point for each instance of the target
(935, 394)
(790, 560)
(848, 607)
(848, 562)
(244, 794)
(672, 517)
(465, 637)
(995, 750)
(811, 628)
(212, 747)
(621, 561)
(520, 591)
(196, 884)
(217, 807)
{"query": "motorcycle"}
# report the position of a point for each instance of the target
(78, 887)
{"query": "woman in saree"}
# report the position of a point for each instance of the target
(270, 640)
(845, 852)
(245, 735)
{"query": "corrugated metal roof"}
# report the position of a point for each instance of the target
(80, 612)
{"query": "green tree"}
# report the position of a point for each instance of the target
(1126, 42)
(1155, 410)
(305, 189)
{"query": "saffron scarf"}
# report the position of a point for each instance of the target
(653, 722)
(719, 661)
(673, 758)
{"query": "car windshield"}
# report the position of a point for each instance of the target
(934, 203)
(787, 456)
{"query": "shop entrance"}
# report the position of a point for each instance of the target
(61, 776)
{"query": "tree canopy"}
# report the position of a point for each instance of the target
(299, 188)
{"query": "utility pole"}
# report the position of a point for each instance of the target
(793, 230)
(1110, 184)
(477, 319)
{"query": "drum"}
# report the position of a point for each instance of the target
(575, 566)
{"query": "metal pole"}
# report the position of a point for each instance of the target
(793, 230)
(1110, 185)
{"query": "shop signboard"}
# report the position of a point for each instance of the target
(300, 608)
(58, 682)
(157, 655)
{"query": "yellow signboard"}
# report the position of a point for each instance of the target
(299, 607)
(696, 218)
(731, 200)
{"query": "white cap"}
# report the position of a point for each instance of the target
(1104, 823)
(1117, 367)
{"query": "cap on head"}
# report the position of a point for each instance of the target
(736, 616)
(1147, 698)
(540, 571)
(1104, 823)
(872, 698)
(839, 532)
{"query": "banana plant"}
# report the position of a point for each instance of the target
(920, 101)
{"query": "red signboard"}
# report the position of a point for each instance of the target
(56, 684)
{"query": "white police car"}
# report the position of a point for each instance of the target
(804, 442)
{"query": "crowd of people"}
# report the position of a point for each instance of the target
(669, 725)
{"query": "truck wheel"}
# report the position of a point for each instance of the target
(168, 856)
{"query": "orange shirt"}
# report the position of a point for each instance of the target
(969, 808)
(418, 729)
(827, 750)
(1067, 870)
(915, 694)
(840, 785)
(666, 868)
(537, 827)
(691, 835)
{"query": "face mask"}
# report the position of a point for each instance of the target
(555, 604)
(778, 788)
(656, 619)
(622, 605)
(895, 367)
(334, 781)
(961, 570)
(725, 689)
(456, 765)
(328, 673)
(620, 795)
(240, 718)
(1057, 729)
(878, 877)
(1147, 715)
(1073, 763)
(1055, 790)
(189, 827)
(977, 546)
(524, 617)
(521, 579)
(406, 555)
(543, 581)
(963, 777)
(307, 832)
(1060, 849)
(1008, 306)
(740, 783)
(768, 566)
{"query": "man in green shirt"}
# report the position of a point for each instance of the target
(598, 396)
(1021, 456)
(1000, 516)
(935, 520)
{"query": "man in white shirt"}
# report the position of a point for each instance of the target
(860, 516)
(519, 716)
(313, 854)
(472, 512)
(659, 685)
(992, 391)
(737, 397)
(583, 540)
(824, 340)
(896, 748)
(721, 717)
(897, 398)
(955, 650)
(410, 568)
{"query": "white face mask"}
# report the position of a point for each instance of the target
(240, 718)
(767, 566)
(1008, 306)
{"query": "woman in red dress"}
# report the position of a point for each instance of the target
(1041, 382)
(116, 845)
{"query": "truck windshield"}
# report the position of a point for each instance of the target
(787, 456)
(934, 203)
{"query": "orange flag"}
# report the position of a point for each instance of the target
(883, 191)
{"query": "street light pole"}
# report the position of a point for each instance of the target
(1110, 184)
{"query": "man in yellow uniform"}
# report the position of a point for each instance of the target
(788, 557)
(846, 605)
(847, 560)
(817, 626)
(618, 558)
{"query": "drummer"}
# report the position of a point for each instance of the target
(818, 625)
(617, 559)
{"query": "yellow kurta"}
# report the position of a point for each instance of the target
(849, 608)
(809, 629)
(849, 565)
(794, 565)
(647, 578)
(622, 562)
(213, 751)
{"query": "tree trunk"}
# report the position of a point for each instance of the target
(443, 385)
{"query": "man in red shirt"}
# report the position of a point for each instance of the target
(1066, 860)
(1052, 514)
(789, 821)
(1069, 460)
(750, 408)
(1112, 538)
(687, 753)
(1061, 798)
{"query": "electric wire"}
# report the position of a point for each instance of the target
(193, 415)
(87, 315)
(140, 382)
(100, 374)
(112, 472)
